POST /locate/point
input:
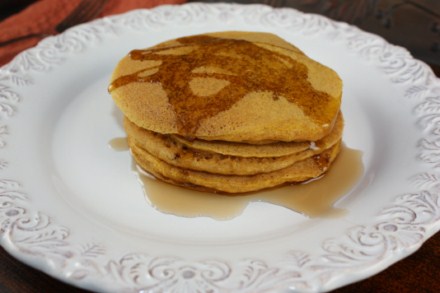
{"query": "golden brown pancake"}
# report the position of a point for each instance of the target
(177, 154)
(230, 86)
(262, 150)
(298, 172)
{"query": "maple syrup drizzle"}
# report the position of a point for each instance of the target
(246, 67)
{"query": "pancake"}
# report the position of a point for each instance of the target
(300, 171)
(274, 149)
(262, 150)
(177, 154)
(229, 86)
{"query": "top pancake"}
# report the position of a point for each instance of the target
(230, 86)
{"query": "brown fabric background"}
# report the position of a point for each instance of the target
(42, 17)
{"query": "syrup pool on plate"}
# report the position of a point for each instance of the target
(314, 198)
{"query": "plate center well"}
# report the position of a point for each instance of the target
(99, 182)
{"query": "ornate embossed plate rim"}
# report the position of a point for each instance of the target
(398, 230)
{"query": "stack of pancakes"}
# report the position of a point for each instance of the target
(229, 112)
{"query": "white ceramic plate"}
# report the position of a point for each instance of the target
(70, 205)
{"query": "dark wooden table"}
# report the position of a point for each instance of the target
(417, 273)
